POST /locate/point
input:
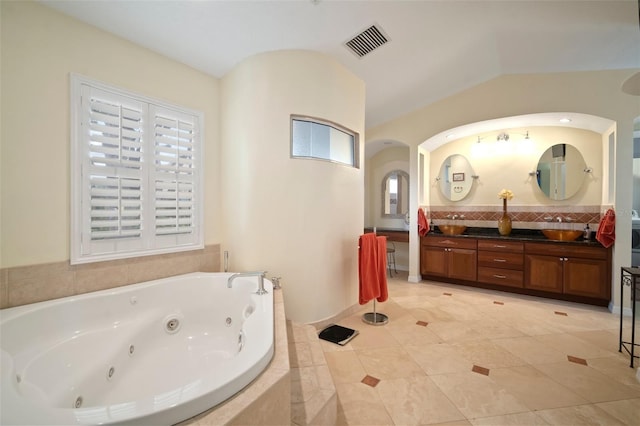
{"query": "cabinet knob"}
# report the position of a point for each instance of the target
(499, 276)
(499, 260)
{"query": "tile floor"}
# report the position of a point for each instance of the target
(463, 356)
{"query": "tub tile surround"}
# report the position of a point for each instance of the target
(523, 217)
(36, 283)
(313, 394)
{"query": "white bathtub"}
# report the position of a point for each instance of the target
(114, 353)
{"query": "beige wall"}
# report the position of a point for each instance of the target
(507, 165)
(298, 219)
(40, 47)
(594, 92)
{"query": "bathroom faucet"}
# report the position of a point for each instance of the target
(259, 274)
(559, 219)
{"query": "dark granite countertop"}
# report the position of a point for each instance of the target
(516, 235)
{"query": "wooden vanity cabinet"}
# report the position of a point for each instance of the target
(449, 257)
(501, 262)
(571, 271)
(568, 269)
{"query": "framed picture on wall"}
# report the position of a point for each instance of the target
(458, 177)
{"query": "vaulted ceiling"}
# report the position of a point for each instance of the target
(435, 48)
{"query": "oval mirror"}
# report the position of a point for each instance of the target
(560, 172)
(395, 194)
(455, 177)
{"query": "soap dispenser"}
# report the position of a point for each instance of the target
(586, 235)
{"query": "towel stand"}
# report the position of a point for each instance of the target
(375, 318)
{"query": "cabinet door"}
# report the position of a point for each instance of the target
(433, 261)
(462, 264)
(543, 273)
(586, 277)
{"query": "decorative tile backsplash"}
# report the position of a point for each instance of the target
(523, 217)
(35, 283)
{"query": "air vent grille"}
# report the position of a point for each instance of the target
(367, 41)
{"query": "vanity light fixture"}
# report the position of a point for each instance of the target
(503, 136)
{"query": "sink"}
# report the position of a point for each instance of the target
(562, 234)
(452, 229)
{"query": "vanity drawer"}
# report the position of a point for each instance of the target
(567, 250)
(494, 259)
(497, 245)
(498, 276)
(452, 242)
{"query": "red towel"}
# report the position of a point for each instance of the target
(423, 223)
(382, 268)
(607, 229)
(372, 268)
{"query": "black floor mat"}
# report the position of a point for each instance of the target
(338, 334)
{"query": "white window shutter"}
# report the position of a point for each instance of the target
(136, 175)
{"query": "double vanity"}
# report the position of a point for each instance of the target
(525, 262)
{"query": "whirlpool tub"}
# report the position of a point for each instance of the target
(152, 353)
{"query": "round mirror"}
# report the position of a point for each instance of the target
(455, 177)
(560, 172)
(395, 194)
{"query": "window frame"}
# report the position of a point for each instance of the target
(84, 249)
(330, 124)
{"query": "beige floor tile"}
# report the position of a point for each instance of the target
(579, 415)
(361, 405)
(487, 354)
(531, 350)
(616, 368)
(461, 311)
(588, 382)
(604, 339)
(454, 423)
(439, 358)
(627, 411)
(456, 331)
(414, 301)
(345, 367)
(476, 395)
(388, 363)
(571, 345)
(524, 419)
(370, 336)
(416, 400)
(430, 315)
(426, 373)
(407, 332)
(536, 390)
(493, 329)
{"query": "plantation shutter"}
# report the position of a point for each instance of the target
(175, 174)
(136, 171)
(114, 135)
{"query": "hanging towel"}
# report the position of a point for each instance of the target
(382, 269)
(423, 223)
(372, 268)
(367, 268)
(607, 229)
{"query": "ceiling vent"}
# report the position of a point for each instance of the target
(367, 41)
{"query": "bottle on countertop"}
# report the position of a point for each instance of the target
(586, 235)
